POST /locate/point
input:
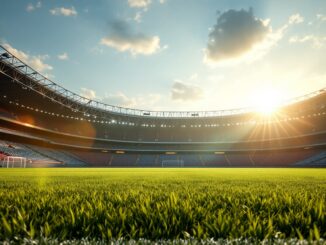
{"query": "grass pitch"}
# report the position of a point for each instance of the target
(155, 204)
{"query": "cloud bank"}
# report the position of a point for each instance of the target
(316, 41)
(36, 62)
(296, 19)
(123, 39)
(185, 91)
(139, 3)
(321, 17)
(238, 33)
(139, 101)
(63, 56)
(64, 11)
(88, 93)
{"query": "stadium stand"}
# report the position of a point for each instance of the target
(191, 160)
(34, 158)
(94, 159)
(67, 159)
(46, 121)
(215, 160)
(315, 160)
(124, 160)
(285, 158)
(148, 160)
(239, 159)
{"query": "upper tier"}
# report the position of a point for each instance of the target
(23, 74)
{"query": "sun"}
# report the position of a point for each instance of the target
(267, 100)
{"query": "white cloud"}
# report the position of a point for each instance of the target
(31, 7)
(123, 39)
(296, 19)
(139, 101)
(63, 56)
(321, 17)
(138, 17)
(64, 11)
(162, 1)
(317, 42)
(119, 99)
(239, 36)
(36, 62)
(139, 3)
(185, 91)
(88, 93)
(145, 45)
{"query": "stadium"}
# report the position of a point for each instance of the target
(49, 125)
(162, 122)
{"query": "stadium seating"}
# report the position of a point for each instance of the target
(67, 159)
(94, 159)
(148, 160)
(214, 160)
(191, 160)
(34, 158)
(124, 160)
(44, 125)
(285, 158)
(45, 157)
(315, 160)
(239, 159)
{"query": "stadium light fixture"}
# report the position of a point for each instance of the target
(219, 152)
(170, 153)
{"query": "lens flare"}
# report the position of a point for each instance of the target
(267, 100)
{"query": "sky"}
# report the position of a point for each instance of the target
(172, 54)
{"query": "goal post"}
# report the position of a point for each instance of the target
(12, 161)
(172, 163)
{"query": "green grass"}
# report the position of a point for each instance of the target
(162, 203)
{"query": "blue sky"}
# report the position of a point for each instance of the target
(172, 54)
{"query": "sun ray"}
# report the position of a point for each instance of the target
(267, 100)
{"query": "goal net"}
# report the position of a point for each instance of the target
(172, 163)
(14, 162)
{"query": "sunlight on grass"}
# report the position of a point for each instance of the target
(162, 203)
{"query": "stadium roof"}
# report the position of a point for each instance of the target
(18, 65)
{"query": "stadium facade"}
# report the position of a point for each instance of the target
(52, 126)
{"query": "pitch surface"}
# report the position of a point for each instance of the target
(162, 203)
